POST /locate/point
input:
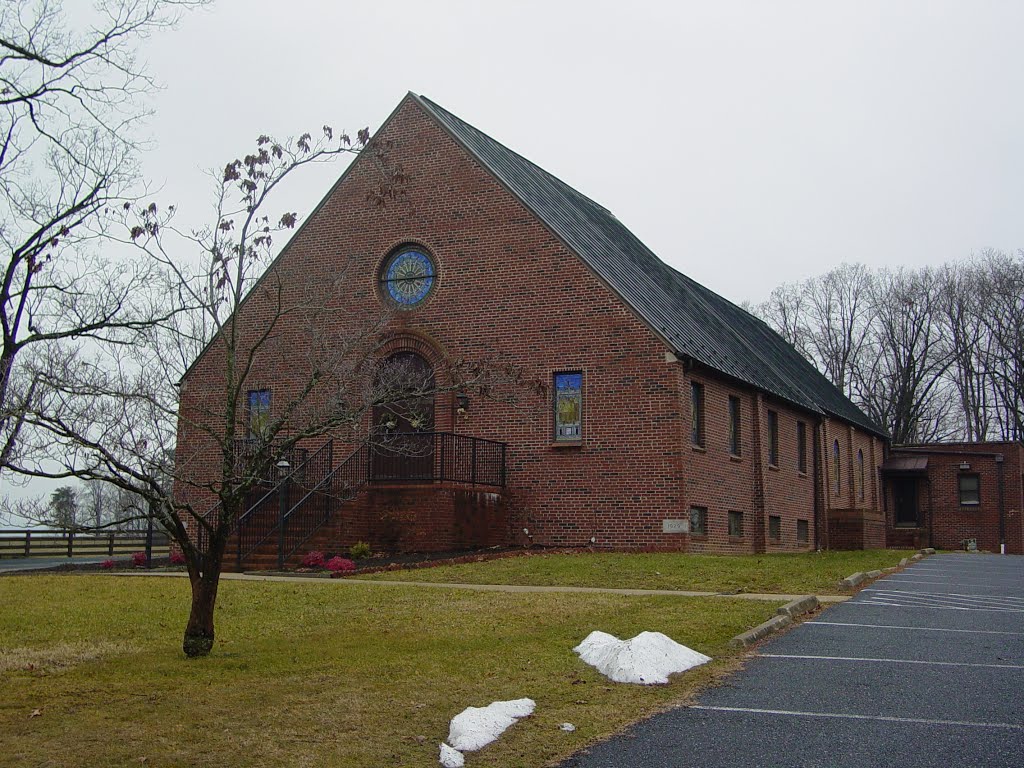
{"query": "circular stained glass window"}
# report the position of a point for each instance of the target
(408, 277)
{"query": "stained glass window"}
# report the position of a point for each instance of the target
(408, 277)
(568, 406)
(259, 412)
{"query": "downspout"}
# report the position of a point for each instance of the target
(1002, 507)
(818, 481)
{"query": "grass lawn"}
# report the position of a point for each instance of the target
(804, 573)
(320, 674)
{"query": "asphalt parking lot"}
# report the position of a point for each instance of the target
(922, 668)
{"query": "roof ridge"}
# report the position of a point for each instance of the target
(690, 318)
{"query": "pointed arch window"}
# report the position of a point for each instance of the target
(836, 468)
(860, 470)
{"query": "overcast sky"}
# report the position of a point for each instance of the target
(746, 143)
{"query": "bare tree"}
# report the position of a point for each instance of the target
(70, 104)
(1001, 295)
(905, 357)
(117, 417)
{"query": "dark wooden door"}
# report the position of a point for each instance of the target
(403, 431)
(904, 501)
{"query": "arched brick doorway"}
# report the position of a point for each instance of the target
(403, 419)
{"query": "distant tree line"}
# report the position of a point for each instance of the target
(931, 354)
(93, 505)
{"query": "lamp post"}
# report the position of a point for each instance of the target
(282, 473)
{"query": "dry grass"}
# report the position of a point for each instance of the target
(805, 573)
(322, 674)
(50, 659)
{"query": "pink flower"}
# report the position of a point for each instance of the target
(139, 559)
(177, 558)
(107, 564)
(313, 559)
(341, 565)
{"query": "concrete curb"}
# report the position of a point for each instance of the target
(785, 617)
(856, 579)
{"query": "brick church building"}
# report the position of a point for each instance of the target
(664, 416)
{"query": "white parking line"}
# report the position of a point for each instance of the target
(897, 626)
(937, 607)
(960, 595)
(890, 661)
(843, 716)
(946, 599)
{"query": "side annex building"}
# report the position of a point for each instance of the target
(665, 417)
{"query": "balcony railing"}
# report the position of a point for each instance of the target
(426, 457)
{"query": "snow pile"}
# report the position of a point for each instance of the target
(451, 758)
(647, 659)
(476, 727)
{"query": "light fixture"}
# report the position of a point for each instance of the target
(282, 467)
(964, 466)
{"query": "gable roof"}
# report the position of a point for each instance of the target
(696, 322)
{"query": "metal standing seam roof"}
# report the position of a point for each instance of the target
(697, 322)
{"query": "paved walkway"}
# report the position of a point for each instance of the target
(922, 668)
(19, 564)
(774, 598)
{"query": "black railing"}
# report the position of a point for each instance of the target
(436, 457)
(263, 517)
(319, 503)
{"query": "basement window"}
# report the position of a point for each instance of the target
(802, 531)
(970, 490)
(698, 521)
(736, 524)
(774, 527)
(568, 407)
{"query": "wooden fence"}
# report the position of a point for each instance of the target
(71, 544)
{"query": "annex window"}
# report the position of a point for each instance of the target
(970, 490)
(802, 530)
(860, 472)
(774, 527)
(734, 426)
(773, 438)
(568, 406)
(698, 521)
(258, 406)
(836, 468)
(801, 447)
(697, 413)
(735, 523)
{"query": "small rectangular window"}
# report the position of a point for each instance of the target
(698, 521)
(801, 447)
(697, 413)
(970, 490)
(569, 406)
(773, 438)
(734, 426)
(801, 530)
(735, 523)
(259, 412)
(774, 527)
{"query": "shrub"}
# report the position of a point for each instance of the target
(139, 559)
(107, 564)
(314, 559)
(177, 558)
(341, 565)
(359, 551)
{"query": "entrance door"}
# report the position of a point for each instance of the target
(403, 425)
(904, 499)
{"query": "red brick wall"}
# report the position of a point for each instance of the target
(944, 522)
(507, 290)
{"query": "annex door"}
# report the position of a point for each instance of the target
(904, 501)
(403, 424)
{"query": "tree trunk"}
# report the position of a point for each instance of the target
(199, 630)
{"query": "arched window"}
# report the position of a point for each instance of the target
(860, 470)
(835, 468)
